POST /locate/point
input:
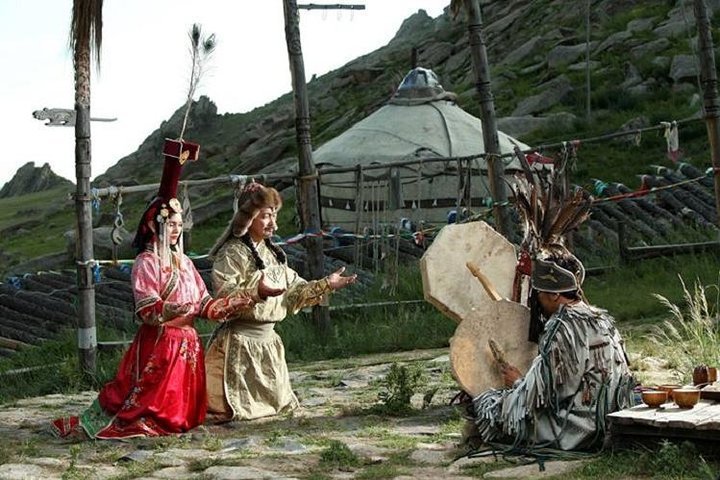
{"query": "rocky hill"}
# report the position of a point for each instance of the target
(30, 179)
(640, 52)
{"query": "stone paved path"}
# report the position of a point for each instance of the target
(335, 435)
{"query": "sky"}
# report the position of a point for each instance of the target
(145, 65)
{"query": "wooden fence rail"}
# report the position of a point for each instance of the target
(631, 254)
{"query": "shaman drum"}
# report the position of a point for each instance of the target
(471, 358)
(447, 282)
(450, 285)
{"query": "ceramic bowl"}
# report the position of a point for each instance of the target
(654, 398)
(668, 388)
(686, 397)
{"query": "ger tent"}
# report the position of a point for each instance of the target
(422, 121)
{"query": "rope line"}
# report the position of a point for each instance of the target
(648, 191)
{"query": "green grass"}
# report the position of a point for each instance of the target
(666, 461)
(628, 291)
(33, 225)
(691, 337)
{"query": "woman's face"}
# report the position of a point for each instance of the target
(264, 225)
(173, 227)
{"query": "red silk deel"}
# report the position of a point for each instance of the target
(160, 385)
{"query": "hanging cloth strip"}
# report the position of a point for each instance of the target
(186, 209)
(459, 195)
(95, 199)
(467, 186)
(537, 157)
(359, 193)
(672, 138)
(419, 191)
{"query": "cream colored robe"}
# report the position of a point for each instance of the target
(247, 376)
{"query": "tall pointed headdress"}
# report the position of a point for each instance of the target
(151, 230)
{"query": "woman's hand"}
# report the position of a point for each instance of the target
(239, 302)
(172, 310)
(337, 281)
(223, 308)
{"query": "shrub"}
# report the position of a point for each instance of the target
(337, 455)
(399, 386)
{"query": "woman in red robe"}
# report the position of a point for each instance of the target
(159, 388)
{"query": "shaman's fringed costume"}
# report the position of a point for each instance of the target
(247, 374)
(581, 371)
(579, 376)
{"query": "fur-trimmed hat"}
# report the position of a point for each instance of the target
(254, 197)
(165, 203)
(557, 271)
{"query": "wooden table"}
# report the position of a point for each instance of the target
(702, 422)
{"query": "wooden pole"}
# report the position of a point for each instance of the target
(711, 104)
(86, 332)
(496, 170)
(587, 63)
(308, 195)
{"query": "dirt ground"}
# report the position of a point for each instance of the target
(337, 434)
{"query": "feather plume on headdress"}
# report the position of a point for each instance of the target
(549, 213)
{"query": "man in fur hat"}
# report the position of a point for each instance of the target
(247, 376)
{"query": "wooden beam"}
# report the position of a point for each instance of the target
(12, 344)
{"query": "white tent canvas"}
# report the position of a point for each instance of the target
(421, 122)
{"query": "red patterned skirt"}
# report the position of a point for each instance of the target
(159, 389)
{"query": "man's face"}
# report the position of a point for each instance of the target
(264, 225)
(548, 302)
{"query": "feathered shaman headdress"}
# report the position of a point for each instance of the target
(549, 212)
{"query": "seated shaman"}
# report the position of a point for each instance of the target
(579, 375)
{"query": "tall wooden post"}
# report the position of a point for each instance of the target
(86, 39)
(588, 111)
(711, 104)
(80, 120)
(86, 333)
(308, 195)
(496, 170)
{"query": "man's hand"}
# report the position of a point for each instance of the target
(264, 290)
(337, 281)
(509, 373)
